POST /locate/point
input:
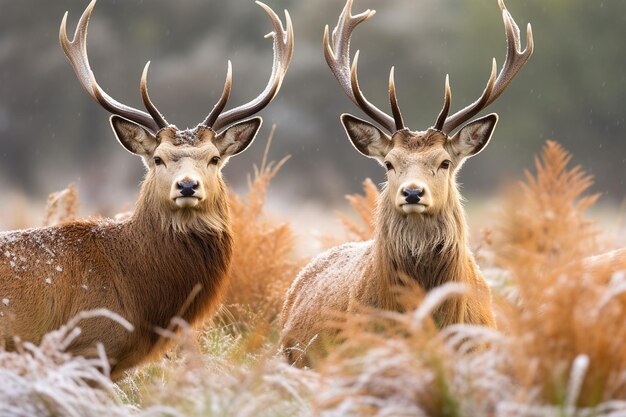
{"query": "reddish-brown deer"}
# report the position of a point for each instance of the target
(420, 227)
(170, 258)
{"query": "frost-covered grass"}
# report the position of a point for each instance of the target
(44, 380)
(559, 350)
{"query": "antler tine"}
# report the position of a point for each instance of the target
(393, 99)
(283, 53)
(154, 112)
(443, 115)
(338, 59)
(221, 104)
(514, 62)
(338, 56)
(76, 52)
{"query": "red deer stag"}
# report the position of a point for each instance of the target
(170, 258)
(420, 229)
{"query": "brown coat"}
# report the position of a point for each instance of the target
(139, 268)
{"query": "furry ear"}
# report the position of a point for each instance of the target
(238, 137)
(134, 137)
(473, 137)
(367, 138)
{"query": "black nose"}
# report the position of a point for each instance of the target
(413, 195)
(187, 188)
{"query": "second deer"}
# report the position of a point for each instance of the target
(420, 227)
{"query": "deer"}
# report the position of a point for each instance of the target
(420, 234)
(170, 258)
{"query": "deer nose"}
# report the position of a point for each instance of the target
(413, 195)
(187, 188)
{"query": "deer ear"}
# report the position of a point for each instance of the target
(367, 138)
(134, 137)
(473, 137)
(238, 137)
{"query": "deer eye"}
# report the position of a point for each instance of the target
(445, 164)
(215, 160)
(388, 165)
(158, 161)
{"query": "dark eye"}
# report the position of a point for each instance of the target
(215, 160)
(445, 164)
(388, 165)
(158, 161)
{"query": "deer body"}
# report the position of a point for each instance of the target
(170, 258)
(420, 231)
(428, 250)
(134, 268)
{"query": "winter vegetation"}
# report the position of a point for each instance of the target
(558, 350)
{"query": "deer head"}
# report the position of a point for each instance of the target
(184, 165)
(421, 165)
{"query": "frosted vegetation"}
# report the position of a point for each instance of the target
(559, 349)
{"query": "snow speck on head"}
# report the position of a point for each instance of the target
(48, 281)
(59, 268)
(5, 301)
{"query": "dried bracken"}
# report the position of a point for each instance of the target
(62, 206)
(364, 207)
(558, 350)
(264, 263)
(543, 221)
(568, 321)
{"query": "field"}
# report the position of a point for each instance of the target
(559, 349)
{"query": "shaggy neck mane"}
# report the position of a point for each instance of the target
(429, 249)
(183, 256)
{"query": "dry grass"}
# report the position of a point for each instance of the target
(45, 381)
(214, 374)
(568, 314)
(264, 264)
(559, 350)
(358, 226)
(395, 364)
(62, 206)
(543, 222)
(365, 207)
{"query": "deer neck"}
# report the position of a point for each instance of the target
(428, 249)
(181, 265)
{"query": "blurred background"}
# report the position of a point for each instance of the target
(573, 90)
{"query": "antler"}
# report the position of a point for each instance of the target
(515, 60)
(338, 59)
(76, 52)
(283, 52)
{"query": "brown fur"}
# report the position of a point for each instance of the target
(165, 260)
(430, 249)
(141, 268)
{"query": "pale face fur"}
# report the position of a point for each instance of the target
(421, 166)
(177, 164)
(184, 166)
(418, 161)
